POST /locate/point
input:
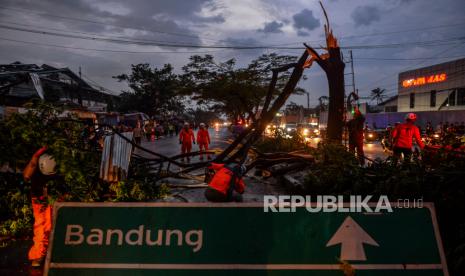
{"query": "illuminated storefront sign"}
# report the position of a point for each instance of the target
(424, 80)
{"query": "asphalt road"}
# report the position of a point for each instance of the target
(169, 145)
(372, 150)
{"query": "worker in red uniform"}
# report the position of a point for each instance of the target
(39, 171)
(356, 130)
(227, 179)
(186, 138)
(403, 136)
(203, 140)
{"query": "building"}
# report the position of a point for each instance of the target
(389, 105)
(439, 87)
(435, 93)
(21, 83)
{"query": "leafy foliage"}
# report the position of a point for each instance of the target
(278, 142)
(15, 214)
(154, 91)
(236, 92)
(77, 164)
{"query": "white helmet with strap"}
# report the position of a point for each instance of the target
(47, 164)
(411, 116)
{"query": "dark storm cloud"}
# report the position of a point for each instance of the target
(232, 23)
(158, 17)
(305, 20)
(272, 27)
(365, 15)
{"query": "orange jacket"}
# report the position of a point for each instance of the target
(403, 136)
(222, 179)
(186, 136)
(203, 137)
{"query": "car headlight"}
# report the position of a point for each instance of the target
(305, 131)
(288, 129)
(370, 135)
(436, 135)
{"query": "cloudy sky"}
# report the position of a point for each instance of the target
(387, 36)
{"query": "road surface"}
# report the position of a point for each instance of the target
(169, 146)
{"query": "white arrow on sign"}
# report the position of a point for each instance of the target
(351, 237)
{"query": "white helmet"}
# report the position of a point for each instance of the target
(47, 164)
(411, 116)
(202, 124)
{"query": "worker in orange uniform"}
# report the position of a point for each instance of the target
(356, 130)
(40, 170)
(227, 179)
(186, 138)
(203, 140)
(403, 136)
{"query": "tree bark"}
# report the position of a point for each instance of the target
(335, 76)
(333, 66)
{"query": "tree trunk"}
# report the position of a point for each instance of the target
(334, 70)
(268, 115)
(336, 105)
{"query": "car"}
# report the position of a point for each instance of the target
(307, 130)
(370, 135)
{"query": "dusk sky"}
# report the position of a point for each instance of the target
(51, 31)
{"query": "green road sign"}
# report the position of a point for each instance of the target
(233, 239)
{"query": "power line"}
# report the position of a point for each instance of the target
(108, 50)
(409, 59)
(105, 24)
(109, 37)
(378, 34)
(438, 42)
(98, 85)
(41, 13)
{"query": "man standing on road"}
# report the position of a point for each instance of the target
(355, 128)
(40, 170)
(137, 132)
(186, 138)
(403, 136)
(203, 140)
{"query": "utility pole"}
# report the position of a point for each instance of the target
(80, 74)
(353, 72)
(308, 100)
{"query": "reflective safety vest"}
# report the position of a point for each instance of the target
(404, 134)
(223, 178)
